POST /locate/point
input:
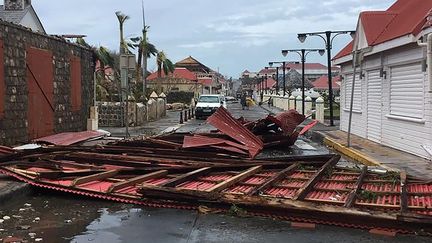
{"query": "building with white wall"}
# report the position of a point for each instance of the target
(392, 95)
(21, 12)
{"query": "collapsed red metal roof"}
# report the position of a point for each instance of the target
(223, 121)
(69, 138)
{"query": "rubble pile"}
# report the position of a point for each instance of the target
(220, 169)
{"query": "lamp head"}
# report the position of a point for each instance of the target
(284, 53)
(321, 52)
(302, 37)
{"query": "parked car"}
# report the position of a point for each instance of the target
(231, 99)
(208, 104)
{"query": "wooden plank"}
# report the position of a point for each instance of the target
(136, 180)
(302, 192)
(404, 196)
(99, 176)
(185, 177)
(221, 186)
(352, 196)
(279, 176)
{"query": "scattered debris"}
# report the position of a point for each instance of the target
(208, 173)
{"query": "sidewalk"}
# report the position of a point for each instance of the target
(371, 153)
(366, 151)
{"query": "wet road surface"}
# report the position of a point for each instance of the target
(57, 217)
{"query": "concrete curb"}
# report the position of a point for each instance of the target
(352, 153)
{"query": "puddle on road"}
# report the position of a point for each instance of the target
(44, 216)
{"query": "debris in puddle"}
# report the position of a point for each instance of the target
(27, 205)
(1, 221)
(38, 239)
(6, 217)
(123, 218)
(16, 217)
(22, 209)
(23, 227)
(68, 221)
(36, 219)
(32, 235)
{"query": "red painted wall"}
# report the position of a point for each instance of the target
(40, 78)
(75, 70)
(2, 81)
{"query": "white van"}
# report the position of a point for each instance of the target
(208, 104)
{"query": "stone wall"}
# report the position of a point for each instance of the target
(14, 122)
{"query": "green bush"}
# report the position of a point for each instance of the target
(180, 97)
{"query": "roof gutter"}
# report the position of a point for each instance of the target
(428, 44)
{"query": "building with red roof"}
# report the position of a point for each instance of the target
(180, 80)
(392, 103)
(312, 70)
(323, 84)
(269, 84)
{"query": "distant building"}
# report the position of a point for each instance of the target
(266, 72)
(322, 84)
(247, 74)
(179, 80)
(203, 73)
(313, 71)
(21, 12)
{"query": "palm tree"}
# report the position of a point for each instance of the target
(122, 19)
(164, 64)
(145, 51)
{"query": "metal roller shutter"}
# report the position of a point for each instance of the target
(407, 91)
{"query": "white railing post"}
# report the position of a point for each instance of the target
(319, 116)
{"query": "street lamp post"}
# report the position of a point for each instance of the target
(303, 54)
(277, 75)
(328, 40)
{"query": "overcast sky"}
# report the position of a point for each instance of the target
(231, 35)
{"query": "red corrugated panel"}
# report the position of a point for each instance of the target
(292, 183)
(289, 121)
(334, 185)
(327, 196)
(240, 189)
(216, 178)
(381, 187)
(69, 138)
(420, 201)
(301, 175)
(223, 121)
(280, 192)
(343, 177)
(382, 200)
(156, 181)
(420, 188)
(255, 180)
(196, 185)
(100, 186)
